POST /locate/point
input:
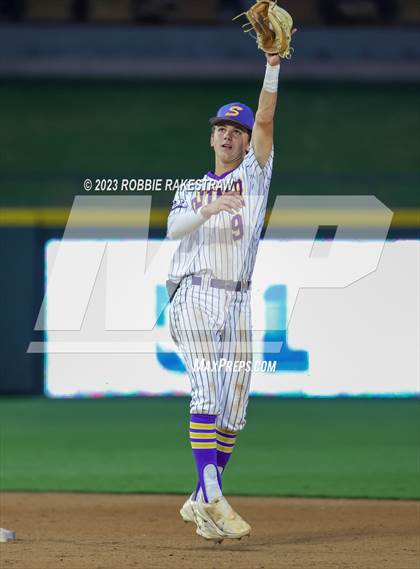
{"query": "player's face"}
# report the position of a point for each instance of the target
(230, 142)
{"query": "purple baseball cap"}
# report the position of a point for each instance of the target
(237, 113)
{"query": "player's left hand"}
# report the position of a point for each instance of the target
(273, 58)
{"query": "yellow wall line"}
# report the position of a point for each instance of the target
(58, 217)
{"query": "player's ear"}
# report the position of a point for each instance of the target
(212, 138)
(248, 146)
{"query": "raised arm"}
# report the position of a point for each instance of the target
(262, 134)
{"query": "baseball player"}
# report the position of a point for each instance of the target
(218, 220)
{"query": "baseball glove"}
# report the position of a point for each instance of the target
(272, 25)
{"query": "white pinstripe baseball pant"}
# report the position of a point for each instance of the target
(210, 324)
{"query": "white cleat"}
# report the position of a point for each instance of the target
(187, 510)
(206, 529)
(218, 520)
(203, 528)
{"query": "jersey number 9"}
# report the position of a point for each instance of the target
(237, 227)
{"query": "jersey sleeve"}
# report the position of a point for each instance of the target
(182, 202)
(260, 176)
(184, 216)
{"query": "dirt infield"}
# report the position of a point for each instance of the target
(85, 531)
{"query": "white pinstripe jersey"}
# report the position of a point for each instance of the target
(224, 246)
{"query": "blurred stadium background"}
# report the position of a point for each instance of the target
(113, 89)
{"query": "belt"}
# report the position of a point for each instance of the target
(226, 285)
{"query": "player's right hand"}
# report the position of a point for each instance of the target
(230, 202)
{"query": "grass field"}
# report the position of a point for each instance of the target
(291, 447)
(331, 138)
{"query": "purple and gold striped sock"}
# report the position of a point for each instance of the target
(203, 444)
(225, 442)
